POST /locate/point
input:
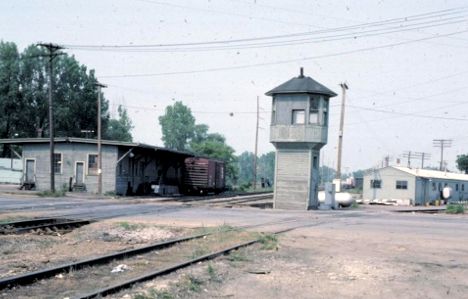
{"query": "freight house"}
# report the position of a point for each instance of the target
(127, 168)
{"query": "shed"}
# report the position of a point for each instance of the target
(413, 186)
(127, 167)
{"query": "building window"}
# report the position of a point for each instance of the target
(434, 186)
(463, 187)
(456, 187)
(315, 163)
(402, 185)
(376, 184)
(92, 164)
(440, 186)
(325, 112)
(273, 112)
(298, 117)
(57, 163)
(314, 111)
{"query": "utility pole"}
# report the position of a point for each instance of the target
(99, 148)
(344, 87)
(53, 52)
(408, 155)
(256, 148)
(442, 143)
(416, 155)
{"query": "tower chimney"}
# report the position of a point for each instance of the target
(301, 74)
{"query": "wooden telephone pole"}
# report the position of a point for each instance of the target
(344, 87)
(53, 52)
(256, 148)
(99, 141)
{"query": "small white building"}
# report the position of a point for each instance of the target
(413, 186)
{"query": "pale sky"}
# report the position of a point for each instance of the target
(398, 82)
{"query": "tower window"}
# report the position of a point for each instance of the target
(298, 117)
(314, 111)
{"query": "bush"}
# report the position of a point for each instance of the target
(455, 209)
(269, 241)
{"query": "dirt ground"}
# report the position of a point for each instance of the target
(369, 252)
(327, 263)
(30, 252)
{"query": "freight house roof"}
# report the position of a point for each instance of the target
(301, 84)
(19, 141)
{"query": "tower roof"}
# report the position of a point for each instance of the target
(301, 84)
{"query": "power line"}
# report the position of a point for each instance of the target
(410, 114)
(405, 24)
(245, 66)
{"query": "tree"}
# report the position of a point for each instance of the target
(181, 133)
(178, 126)
(245, 165)
(9, 88)
(74, 93)
(462, 163)
(10, 98)
(266, 167)
(120, 129)
(327, 174)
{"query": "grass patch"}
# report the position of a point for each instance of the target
(455, 209)
(154, 294)
(237, 256)
(128, 226)
(354, 205)
(268, 241)
(49, 193)
(199, 251)
(213, 274)
(190, 283)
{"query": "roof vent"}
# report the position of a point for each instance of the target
(301, 74)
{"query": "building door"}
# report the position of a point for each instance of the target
(79, 173)
(30, 171)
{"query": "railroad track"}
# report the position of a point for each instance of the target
(161, 259)
(42, 225)
(235, 200)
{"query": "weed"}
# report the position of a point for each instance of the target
(49, 193)
(213, 274)
(237, 256)
(355, 205)
(268, 241)
(190, 283)
(455, 209)
(110, 193)
(127, 226)
(154, 294)
(199, 251)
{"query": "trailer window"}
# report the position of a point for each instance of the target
(376, 184)
(402, 185)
